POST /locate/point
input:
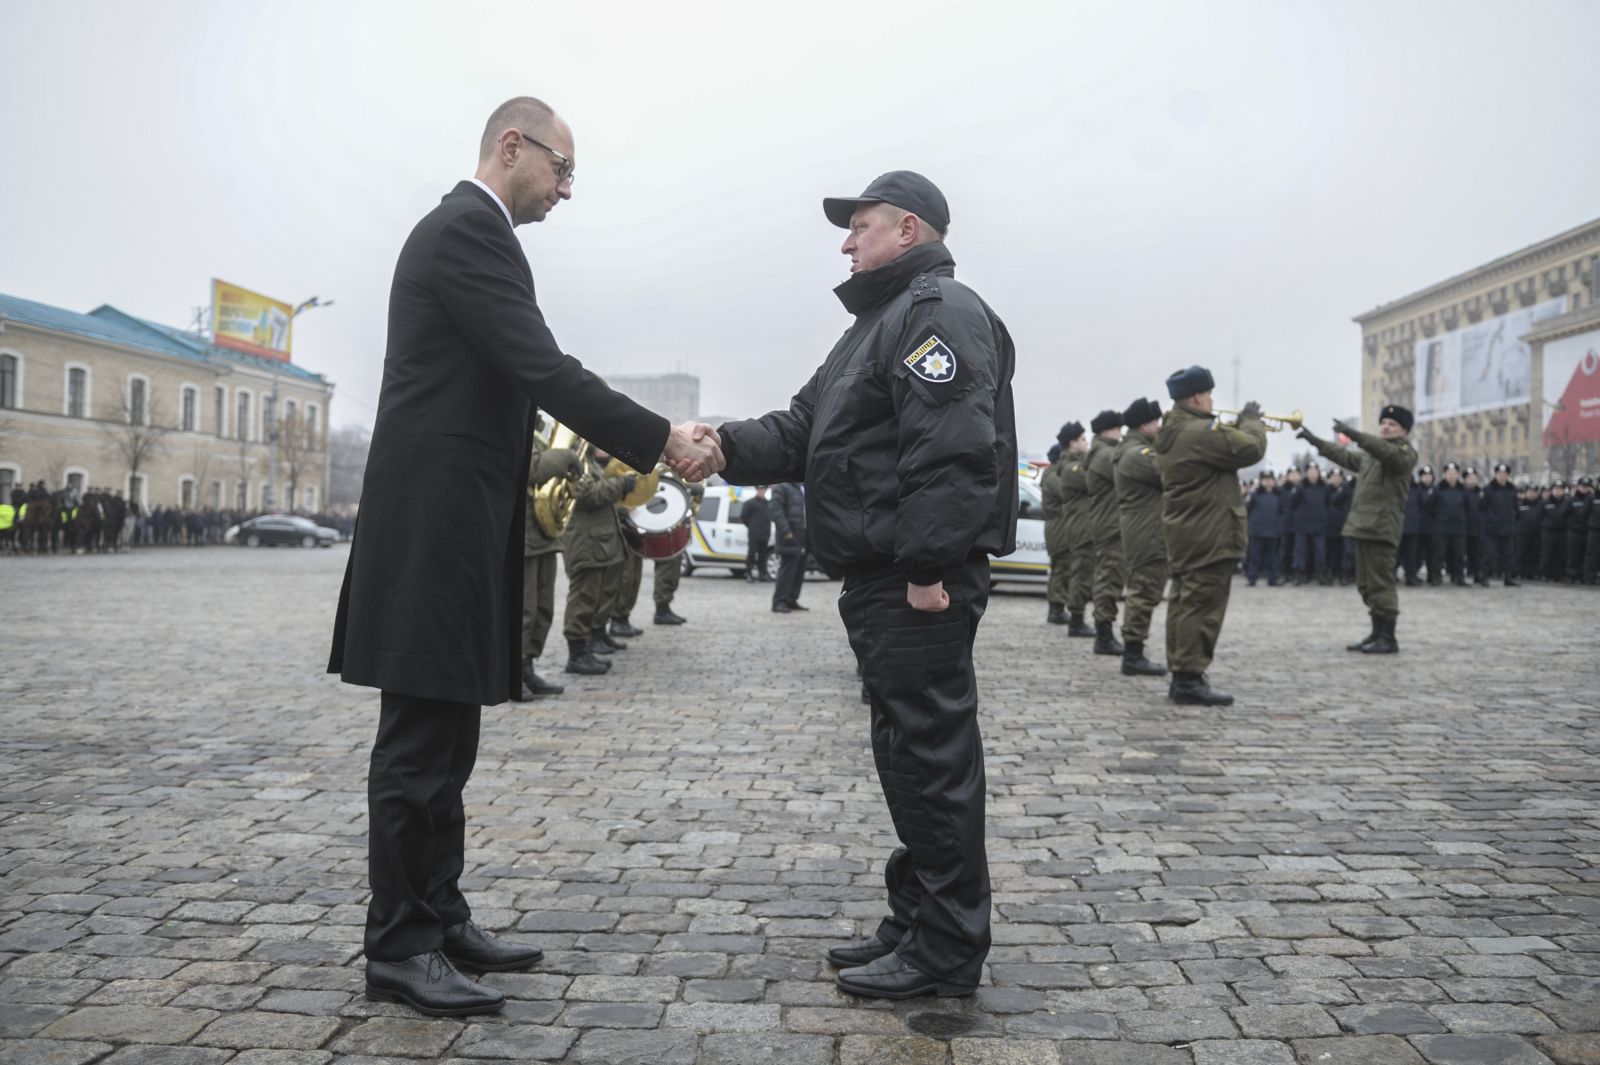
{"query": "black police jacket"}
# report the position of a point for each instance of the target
(906, 436)
(1308, 508)
(1530, 514)
(1474, 511)
(1265, 508)
(1417, 518)
(757, 518)
(1499, 505)
(1553, 515)
(1338, 509)
(1447, 506)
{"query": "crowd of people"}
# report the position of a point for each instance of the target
(42, 520)
(1455, 529)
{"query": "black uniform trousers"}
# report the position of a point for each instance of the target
(416, 826)
(1502, 556)
(917, 667)
(1310, 554)
(1449, 556)
(755, 558)
(1552, 554)
(791, 572)
(1416, 550)
(1262, 550)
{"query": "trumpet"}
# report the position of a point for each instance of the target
(1274, 422)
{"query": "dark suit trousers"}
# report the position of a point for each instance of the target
(791, 572)
(917, 668)
(416, 828)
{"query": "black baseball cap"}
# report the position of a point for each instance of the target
(906, 189)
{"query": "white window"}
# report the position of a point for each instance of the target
(311, 498)
(219, 399)
(137, 484)
(215, 499)
(10, 381)
(10, 477)
(76, 478)
(138, 399)
(188, 408)
(79, 394)
(269, 417)
(241, 495)
(311, 426)
(186, 492)
(241, 421)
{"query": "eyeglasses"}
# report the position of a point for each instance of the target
(564, 167)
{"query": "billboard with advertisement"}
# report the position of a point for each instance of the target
(1479, 367)
(1572, 389)
(250, 322)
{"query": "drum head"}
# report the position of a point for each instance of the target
(667, 510)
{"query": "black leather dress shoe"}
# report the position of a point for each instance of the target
(891, 976)
(797, 606)
(429, 984)
(862, 951)
(472, 948)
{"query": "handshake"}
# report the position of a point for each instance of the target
(694, 451)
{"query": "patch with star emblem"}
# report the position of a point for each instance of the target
(932, 361)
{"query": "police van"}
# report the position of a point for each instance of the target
(718, 539)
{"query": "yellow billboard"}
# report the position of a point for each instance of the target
(250, 322)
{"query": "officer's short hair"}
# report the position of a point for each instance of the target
(520, 111)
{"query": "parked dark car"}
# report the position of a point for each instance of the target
(270, 530)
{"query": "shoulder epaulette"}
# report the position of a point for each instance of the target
(925, 287)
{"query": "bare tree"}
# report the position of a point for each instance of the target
(347, 464)
(135, 435)
(55, 467)
(294, 448)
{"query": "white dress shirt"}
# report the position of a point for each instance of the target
(497, 201)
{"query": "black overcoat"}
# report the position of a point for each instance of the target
(432, 599)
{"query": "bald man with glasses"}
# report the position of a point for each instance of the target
(431, 609)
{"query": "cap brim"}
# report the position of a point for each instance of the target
(840, 208)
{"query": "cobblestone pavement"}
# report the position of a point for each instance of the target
(1364, 862)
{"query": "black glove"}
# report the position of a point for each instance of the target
(1306, 434)
(1342, 429)
(1250, 410)
(628, 482)
(574, 464)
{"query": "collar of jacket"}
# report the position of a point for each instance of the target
(869, 288)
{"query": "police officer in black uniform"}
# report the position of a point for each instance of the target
(1500, 504)
(906, 441)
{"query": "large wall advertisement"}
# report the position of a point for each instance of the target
(250, 322)
(1572, 389)
(1480, 367)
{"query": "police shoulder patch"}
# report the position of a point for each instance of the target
(932, 360)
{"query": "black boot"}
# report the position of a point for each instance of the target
(1057, 614)
(1076, 627)
(1193, 689)
(1104, 642)
(665, 616)
(1512, 582)
(1383, 642)
(1413, 581)
(582, 660)
(1367, 640)
(603, 644)
(624, 628)
(533, 685)
(1135, 664)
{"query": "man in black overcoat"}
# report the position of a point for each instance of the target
(431, 612)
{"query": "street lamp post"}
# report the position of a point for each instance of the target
(272, 428)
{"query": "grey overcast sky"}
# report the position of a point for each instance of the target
(1134, 186)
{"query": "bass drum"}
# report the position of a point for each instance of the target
(660, 528)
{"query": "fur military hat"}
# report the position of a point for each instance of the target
(1424, 470)
(1106, 419)
(1452, 466)
(1184, 383)
(1140, 411)
(1501, 466)
(1585, 482)
(1399, 414)
(1069, 432)
(1470, 471)
(1266, 474)
(1053, 454)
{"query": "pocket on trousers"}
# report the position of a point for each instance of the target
(916, 639)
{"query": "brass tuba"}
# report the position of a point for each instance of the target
(552, 500)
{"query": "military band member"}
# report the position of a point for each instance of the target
(539, 551)
(1144, 553)
(1079, 527)
(1056, 543)
(1377, 514)
(906, 439)
(628, 594)
(1106, 527)
(593, 549)
(668, 573)
(1203, 520)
